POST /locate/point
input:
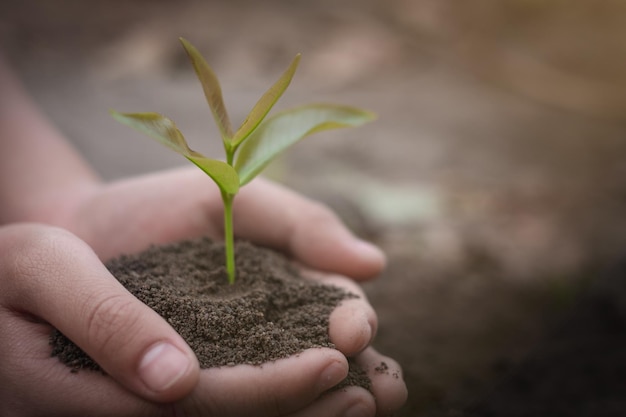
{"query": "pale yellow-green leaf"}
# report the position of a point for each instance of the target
(157, 127)
(265, 103)
(212, 90)
(286, 128)
(165, 131)
(223, 174)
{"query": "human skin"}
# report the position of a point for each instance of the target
(49, 277)
(60, 221)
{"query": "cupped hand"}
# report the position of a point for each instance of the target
(352, 327)
(49, 277)
(129, 215)
(279, 389)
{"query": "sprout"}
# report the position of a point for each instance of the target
(254, 145)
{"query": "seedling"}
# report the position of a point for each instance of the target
(254, 145)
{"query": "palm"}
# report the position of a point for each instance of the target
(130, 215)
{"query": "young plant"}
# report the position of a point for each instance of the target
(254, 145)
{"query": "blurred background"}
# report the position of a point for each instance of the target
(494, 177)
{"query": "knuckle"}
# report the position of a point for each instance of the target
(32, 251)
(107, 318)
(268, 404)
(201, 406)
(255, 399)
(45, 246)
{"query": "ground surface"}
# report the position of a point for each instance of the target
(578, 370)
(494, 178)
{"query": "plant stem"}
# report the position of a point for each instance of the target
(230, 154)
(229, 239)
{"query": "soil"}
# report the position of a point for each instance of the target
(270, 312)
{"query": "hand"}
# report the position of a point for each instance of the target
(351, 327)
(129, 215)
(48, 277)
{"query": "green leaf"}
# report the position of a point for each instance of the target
(212, 90)
(223, 174)
(157, 127)
(286, 128)
(265, 103)
(165, 131)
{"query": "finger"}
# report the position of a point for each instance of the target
(62, 281)
(348, 402)
(353, 324)
(129, 215)
(271, 215)
(33, 383)
(272, 389)
(388, 384)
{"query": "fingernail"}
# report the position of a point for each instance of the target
(332, 375)
(357, 410)
(162, 366)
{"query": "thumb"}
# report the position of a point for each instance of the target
(78, 296)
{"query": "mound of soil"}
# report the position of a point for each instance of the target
(268, 314)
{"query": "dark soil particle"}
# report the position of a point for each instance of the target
(382, 368)
(268, 314)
